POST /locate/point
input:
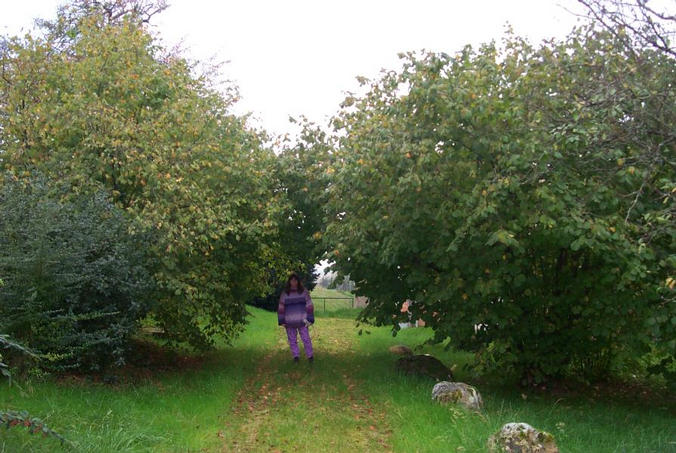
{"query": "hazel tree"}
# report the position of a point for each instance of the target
(522, 196)
(96, 103)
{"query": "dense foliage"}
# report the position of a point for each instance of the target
(76, 282)
(97, 104)
(522, 196)
(302, 184)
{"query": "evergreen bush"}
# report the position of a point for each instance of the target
(76, 278)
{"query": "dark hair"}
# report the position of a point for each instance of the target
(288, 283)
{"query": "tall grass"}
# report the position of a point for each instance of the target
(181, 410)
(351, 398)
(582, 423)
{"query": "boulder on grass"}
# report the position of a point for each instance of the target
(457, 393)
(401, 349)
(522, 438)
(424, 365)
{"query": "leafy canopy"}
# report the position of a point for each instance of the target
(97, 104)
(522, 196)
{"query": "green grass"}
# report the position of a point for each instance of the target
(318, 291)
(251, 397)
(340, 313)
(323, 306)
(176, 411)
(580, 424)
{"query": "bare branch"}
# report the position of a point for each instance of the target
(645, 25)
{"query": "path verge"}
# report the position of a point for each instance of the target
(288, 406)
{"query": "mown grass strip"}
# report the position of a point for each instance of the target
(350, 398)
(309, 407)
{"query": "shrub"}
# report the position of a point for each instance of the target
(522, 196)
(75, 274)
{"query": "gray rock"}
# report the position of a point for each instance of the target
(401, 349)
(457, 393)
(522, 438)
(424, 365)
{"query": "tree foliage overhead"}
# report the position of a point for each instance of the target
(303, 179)
(522, 196)
(98, 104)
(301, 186)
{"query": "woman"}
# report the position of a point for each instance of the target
(296, 312)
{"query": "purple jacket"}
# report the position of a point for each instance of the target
(295, 308)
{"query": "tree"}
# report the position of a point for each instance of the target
(98, 104)
(637, 26)
(509, 192)
(636, 23)
(301, 187)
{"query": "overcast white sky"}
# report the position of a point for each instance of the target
(300, 57)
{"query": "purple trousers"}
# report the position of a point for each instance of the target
(292, 335)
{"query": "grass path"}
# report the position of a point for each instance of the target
(250, 396)
(288, 406)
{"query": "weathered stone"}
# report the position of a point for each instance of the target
(424, 365)
(457, 393)
(522, 438)
(401, 349)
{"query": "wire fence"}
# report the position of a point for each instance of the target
(335, 303)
